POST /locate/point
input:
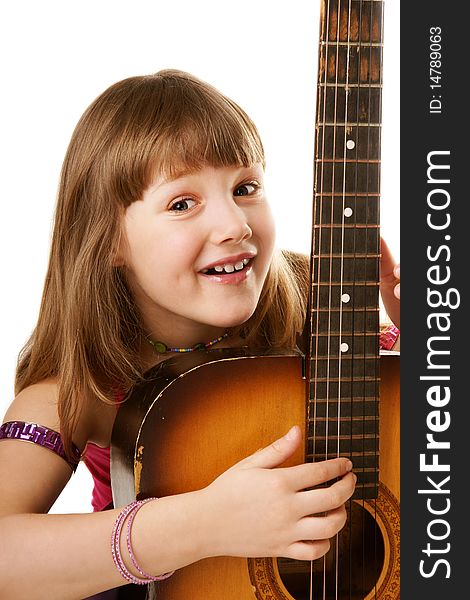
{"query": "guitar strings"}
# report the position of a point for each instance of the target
(317, 233)
(343, 196)
(343, 215)
(353, 278)
(330, 259)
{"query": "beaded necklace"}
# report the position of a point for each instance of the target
(162, 348)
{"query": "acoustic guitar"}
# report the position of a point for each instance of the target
(197, 414)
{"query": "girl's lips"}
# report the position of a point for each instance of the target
(229, 260)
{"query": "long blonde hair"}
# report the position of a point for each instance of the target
(88, 331)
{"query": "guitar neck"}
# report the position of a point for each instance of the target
(344, 298)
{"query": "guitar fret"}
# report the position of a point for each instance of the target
(349, 85)
(339, 177)
(343, 64)
(342, 407)
(349, 124)
(345, 335)
(345, 256)
(357, 320)
(364, 349)
(355, 104)
(372, 418)
(333, 380)
(330, 43)
(357, 369)
(353, 20)
(332, 141)
(346, 309)
(348, 160)
(343, 430)
(368, 442)
(339, 283)
(333, 390)
(331, 268)
(363, 400)
(345, 226)
(356, 454)
(348, 195)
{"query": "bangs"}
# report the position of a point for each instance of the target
(192, 145)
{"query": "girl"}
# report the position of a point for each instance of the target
(163, 240)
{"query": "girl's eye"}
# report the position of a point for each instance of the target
(183, 205)
(247, 189)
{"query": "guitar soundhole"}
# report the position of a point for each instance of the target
(351, 572)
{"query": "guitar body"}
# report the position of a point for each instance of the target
(197, 415)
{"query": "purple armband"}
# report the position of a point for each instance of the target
(37, 434)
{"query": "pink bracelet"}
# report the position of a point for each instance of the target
(130, 511)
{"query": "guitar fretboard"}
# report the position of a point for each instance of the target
(344, 300)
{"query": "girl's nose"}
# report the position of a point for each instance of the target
(230, 223)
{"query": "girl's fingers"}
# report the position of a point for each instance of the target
(308, 475)
(322, 528)
(276, 453)
(308, 550)
(326, 499)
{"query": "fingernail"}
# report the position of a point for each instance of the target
(291, 433)
(396, 271)
(348, 465)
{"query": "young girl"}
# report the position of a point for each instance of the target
(163, 240)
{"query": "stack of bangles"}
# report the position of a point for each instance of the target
(129, 512)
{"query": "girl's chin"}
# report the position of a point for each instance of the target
(232, 321)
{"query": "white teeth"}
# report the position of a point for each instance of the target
(229, 268)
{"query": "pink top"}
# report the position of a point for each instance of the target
(98, 461)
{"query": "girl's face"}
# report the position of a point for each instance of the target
(197, 250)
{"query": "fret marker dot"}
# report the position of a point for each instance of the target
(345, 298)
(344, 347)
(348, 212)
(350, 144)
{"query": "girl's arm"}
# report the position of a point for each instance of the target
(69, 556)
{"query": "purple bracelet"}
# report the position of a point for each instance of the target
(42, 436)
(130, 511)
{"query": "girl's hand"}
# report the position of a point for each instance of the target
(256, 509)
(390, 283)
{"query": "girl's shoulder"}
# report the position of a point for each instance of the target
(38, 403)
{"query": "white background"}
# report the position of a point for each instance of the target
(61, 55)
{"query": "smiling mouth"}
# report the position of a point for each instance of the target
(228, 268)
